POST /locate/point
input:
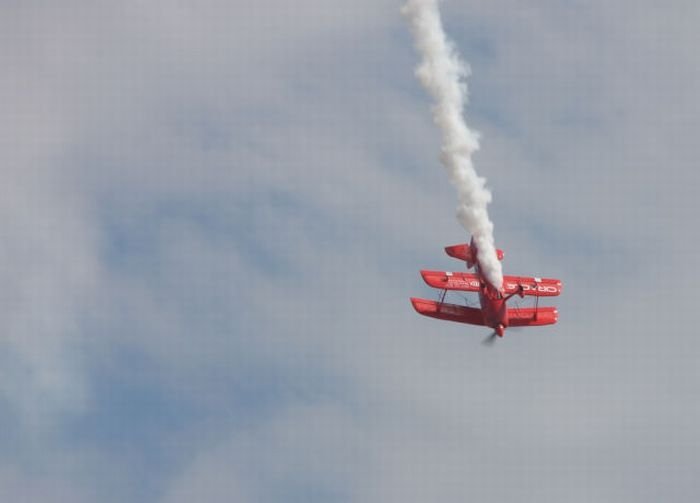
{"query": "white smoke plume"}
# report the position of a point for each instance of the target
(443, 75)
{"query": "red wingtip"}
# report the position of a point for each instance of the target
(423, 306)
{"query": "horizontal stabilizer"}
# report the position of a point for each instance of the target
(466, 252)
(461, 252)
(538, 287)
(531, 316)
(444, 280)
(450, 312)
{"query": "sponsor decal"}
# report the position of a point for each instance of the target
(539, 288)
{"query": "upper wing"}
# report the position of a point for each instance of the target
(540, 287)
(463, 281)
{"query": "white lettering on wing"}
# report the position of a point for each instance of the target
(540, 288)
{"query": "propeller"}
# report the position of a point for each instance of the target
(490, 339)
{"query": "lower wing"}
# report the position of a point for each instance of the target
(532, 316)
(450, 312)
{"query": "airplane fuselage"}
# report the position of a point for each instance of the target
(493, 306)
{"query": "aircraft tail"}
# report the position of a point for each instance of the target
(467, 252)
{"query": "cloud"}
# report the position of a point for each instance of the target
(212, 219)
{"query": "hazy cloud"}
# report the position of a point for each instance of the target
(212, 217)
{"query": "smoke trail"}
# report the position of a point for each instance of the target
(443, 75)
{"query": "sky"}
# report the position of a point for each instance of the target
(213, 214)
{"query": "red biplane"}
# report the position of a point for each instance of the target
(494, 311)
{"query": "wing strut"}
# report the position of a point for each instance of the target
(442, 299)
